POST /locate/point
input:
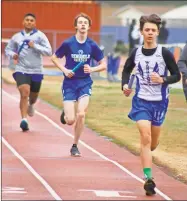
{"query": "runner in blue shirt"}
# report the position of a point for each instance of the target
(77, 86)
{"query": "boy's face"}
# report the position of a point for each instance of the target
(29, 22)
(150, 32)
(82, 25)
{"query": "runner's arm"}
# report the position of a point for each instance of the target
(99, 57)
(11, 48)
(128, 68)
(44, 47)
(182, 63)
(171, 66)
(60, 53)
(100, 67)
(57, 63)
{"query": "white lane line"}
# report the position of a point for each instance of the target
(13, 190)
(110, 193)
(45, 184)
(93, 150)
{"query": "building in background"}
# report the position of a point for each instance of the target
(176, 17)
(117, 18)
(129, 12)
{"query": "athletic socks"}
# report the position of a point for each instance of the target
(148, 173)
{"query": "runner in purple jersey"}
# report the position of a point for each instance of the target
(77, 86)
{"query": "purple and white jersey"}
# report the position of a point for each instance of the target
(145, 65)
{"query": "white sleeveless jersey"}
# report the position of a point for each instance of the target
(145, 65)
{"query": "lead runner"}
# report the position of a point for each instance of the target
(150, 102)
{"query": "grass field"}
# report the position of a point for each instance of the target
(107, 115)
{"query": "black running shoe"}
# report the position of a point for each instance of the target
(149, 187)
(74, 151)
(62, 117)
(24, 125)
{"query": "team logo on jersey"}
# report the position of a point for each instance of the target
(80, 52)
(24, 44)
(148, 71)
(80, 56)
(145, 74)
(156, 69)
(140, 70)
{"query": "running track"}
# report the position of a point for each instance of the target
(36, 165)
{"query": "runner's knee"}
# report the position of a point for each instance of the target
(24, 94)
(81, 115)
(146, 139)
(70, 120)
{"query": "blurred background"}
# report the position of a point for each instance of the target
(115, 25)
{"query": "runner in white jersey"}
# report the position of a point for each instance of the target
(149, 105)
(145, 65)
(26, 48)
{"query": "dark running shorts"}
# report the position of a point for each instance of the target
(33, 80)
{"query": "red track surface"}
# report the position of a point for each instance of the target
(100, 174)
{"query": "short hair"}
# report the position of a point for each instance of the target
(30, 14)
(153, 18)
(82, 15)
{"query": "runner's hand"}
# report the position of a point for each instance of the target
(15, 57)
(126, 90)
(31, 44)
(69, 73)
(155, 78)
(87, 68)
